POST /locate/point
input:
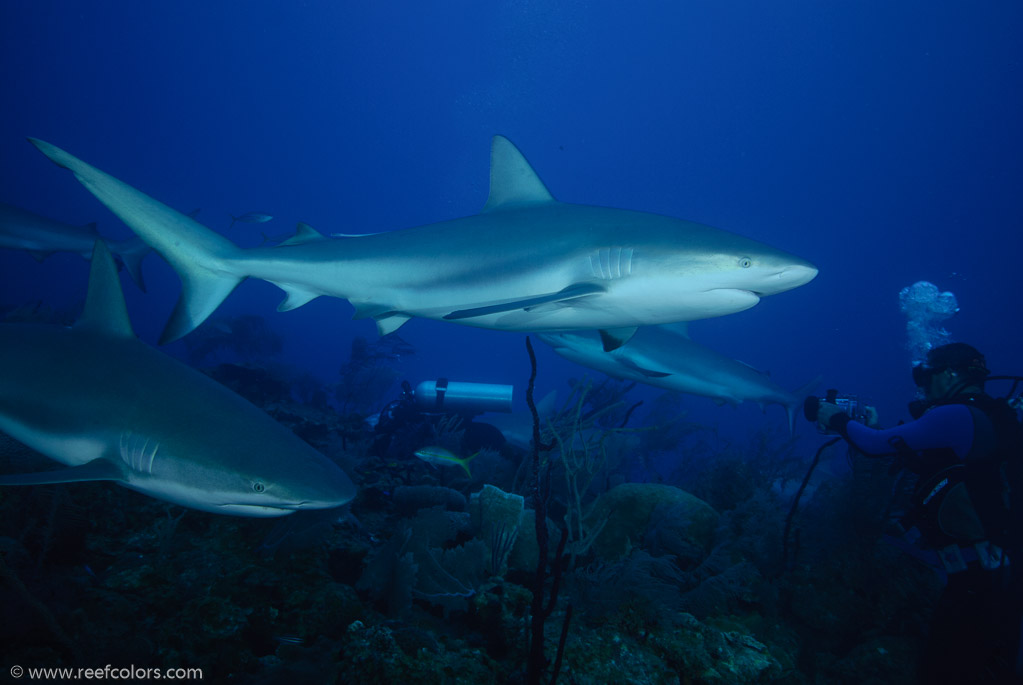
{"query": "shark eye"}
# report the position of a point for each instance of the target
(745, 262)
(258, 487)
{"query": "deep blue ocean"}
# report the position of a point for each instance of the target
(879, 140)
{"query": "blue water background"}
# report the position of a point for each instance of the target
(880, 140)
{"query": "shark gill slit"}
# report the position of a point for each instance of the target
(135, 455)
(611, 263)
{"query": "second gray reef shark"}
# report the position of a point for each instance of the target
(110, 407)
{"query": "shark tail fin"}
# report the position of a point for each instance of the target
(206, 262)
(202, 291)
(795, 403)
(131, 252)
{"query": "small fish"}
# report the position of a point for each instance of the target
(438, 456)
(251, 218)
(290, 639)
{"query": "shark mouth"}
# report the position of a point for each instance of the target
(258, 510)
(741, 291)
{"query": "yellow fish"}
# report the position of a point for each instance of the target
(438, 456)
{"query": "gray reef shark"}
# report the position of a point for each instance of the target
(40, 236)
(110, 407)
(525, 263)
(665, 357)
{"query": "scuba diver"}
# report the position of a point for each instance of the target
(411, 419)
(966, 447)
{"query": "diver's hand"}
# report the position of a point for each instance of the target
(870, 416)
(824, 413)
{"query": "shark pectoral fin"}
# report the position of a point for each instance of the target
(649, 373)
(370, 310)
(387, 318)
(571, 292)
(295, 298)
(97, 469)
(391, 323)
(613, 338)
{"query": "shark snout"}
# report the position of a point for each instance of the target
(313, 483)
(333, 488)
(786, 278)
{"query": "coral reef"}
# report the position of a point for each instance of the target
(683, 582)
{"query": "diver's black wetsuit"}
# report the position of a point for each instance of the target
(975, 630)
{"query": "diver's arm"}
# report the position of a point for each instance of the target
(948, 426)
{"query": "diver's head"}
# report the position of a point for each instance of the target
(950, 370)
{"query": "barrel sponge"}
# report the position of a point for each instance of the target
(628, 509)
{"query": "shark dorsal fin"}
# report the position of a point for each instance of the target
(513, 182)
(304, 233)
(105, 311)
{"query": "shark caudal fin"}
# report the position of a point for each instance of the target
(205, 261)
(795, 404)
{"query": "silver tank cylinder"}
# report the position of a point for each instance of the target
(443, 395)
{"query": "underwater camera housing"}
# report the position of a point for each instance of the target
(850, 404)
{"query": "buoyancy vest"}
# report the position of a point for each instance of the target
(966, 502)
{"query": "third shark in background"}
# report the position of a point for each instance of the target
(665, 357)
(41, 236)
